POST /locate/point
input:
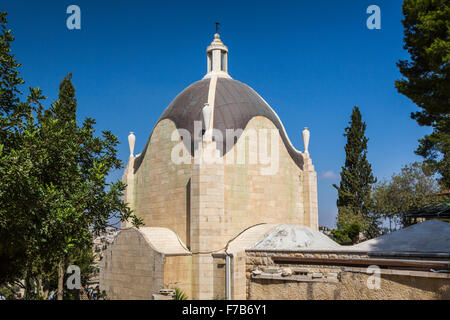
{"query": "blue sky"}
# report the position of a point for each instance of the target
(312, 61)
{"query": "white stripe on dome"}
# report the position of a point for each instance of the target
(212, 99)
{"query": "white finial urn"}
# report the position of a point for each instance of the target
(306, 134)
(131, 142)
(206, 112)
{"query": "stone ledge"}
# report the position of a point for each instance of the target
(318, 250)
(410, 254)
(412, 273)
(296, 278)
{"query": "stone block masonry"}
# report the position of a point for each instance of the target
(325, 281)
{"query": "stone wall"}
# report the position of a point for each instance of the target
(251, 197)
(299, 281)
(130, 268)
(160, 189)
(207, 205)
(207, 222)
(238, 276)
(353, 286)
(219, 277)
(178, 274)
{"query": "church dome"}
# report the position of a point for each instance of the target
(234, 104)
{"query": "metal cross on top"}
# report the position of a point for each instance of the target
(217, 27)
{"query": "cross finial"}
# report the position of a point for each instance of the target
(217, 27)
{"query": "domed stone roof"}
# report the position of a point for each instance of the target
(294, 236)
(234, 105)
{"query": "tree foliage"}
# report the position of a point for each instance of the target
(407, 191)
(349, 233)
(54, 171)
(179, 295)
(426, 78)
(354, 191)
(13, 117)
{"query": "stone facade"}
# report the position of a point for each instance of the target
(159, 188)
(252, 198)
(139, 263)
(353, 286)
(164, 194)
(131, 269)
(178, 273)
(302, 281)
(208, 204)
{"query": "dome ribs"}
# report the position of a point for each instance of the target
(234, 106)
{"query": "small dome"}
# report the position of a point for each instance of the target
(293, 236)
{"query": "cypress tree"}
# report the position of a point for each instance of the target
(354, 200)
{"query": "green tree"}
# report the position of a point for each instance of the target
(354, 191)
(407, 191)
(11, 110)
(14, 116)
(72, 180)
(426, 78)
(54, 184)
(349, 233)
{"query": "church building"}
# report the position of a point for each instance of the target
(217, 175)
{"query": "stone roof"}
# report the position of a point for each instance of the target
(250, 237)
(294, 237)
(163, 240)
(235, 105)
(430, 236)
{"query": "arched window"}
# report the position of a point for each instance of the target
(210, 62)
(222, 61)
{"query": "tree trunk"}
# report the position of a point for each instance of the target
(27, 285)
(61, 280)
(41, 286)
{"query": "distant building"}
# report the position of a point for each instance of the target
(101, 241)
(325, 230)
